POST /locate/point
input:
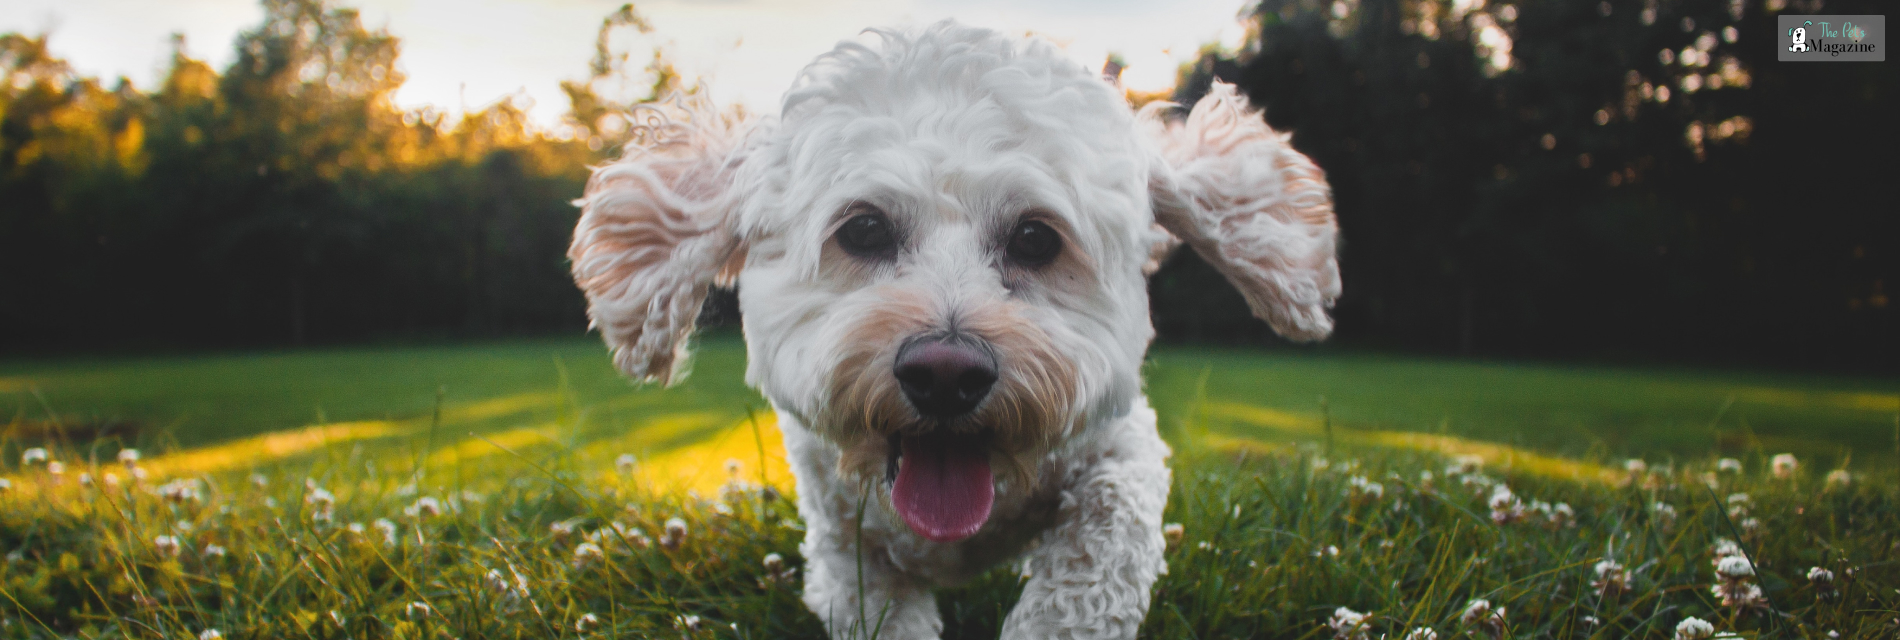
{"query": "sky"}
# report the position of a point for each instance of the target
(461, 54)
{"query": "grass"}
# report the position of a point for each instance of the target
(514, 441)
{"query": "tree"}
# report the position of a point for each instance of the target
(1553, 178)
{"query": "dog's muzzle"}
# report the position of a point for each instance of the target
(940, 478)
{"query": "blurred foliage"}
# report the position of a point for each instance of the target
(1572, 178)
(1536, 178)
(285, 199)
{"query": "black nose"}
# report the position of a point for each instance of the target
(945, 378)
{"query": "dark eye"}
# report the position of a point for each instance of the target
(1033, 243)
(868, 234)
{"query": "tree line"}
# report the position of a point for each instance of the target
(286, 199)
(1545, 178)
(1610, 179)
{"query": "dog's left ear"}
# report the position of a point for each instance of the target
(1258, 211)
(656, 232)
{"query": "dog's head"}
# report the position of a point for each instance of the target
(941, 248)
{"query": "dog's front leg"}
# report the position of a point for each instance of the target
(1091, 576)
(851, 584)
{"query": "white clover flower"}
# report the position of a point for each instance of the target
(774, 562)
(562, 530)
(355, 529)
(1738, 594)
(1750, 526)
(210, 634)
(55, 467)
(587, 553)
(1505, 507)
(1480, 615)
(1635, 466)
(624, 464)
(111, 479)
(1839, 478)
(213, 552)
(319, 498)
(417, 610)
(1693, 628)
(1477, 482)
(1734, 568)
(1784, 465)
(425, 507)
(1362, 489)
(503, 588)
(587, 621)
(129, 457)
(1819, 575)
(1728, 465)
(5, 485)
(687, 622)
(1421, 633)
(1612, 579)
(1724, 548)
(1348, 624)
(180, 490)
(386, 527)
(674, 534)
(1665, 513)
(1173, 532)
(621, 538)
(166, 546)
(85, 480)
(33, 456)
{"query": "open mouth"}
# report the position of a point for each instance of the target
(941, 483)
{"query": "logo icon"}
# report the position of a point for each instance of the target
(1831, 38)
(1800, 35)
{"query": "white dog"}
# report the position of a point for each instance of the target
(941, 248)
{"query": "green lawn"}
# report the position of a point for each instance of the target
(1582, 412)
(499, 511)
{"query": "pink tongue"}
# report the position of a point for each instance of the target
(943, 486)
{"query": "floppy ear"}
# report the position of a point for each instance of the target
(656, 231)
(1258, 211)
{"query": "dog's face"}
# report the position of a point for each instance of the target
(941, 248)
(948, 279)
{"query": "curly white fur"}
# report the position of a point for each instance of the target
(956, 134)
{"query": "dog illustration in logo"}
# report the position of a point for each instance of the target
(1800, 35)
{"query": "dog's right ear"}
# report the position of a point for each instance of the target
(1255, 209)
(656, 232)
